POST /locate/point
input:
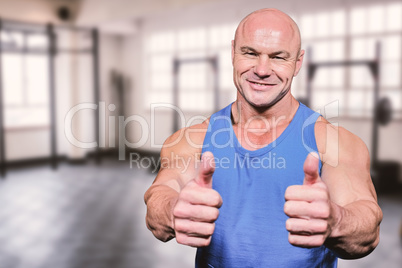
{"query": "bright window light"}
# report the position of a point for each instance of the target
(395, 98)
(322, 24)
(321, 78)
(360, 76)
(393, 17)
(307, 26)
(358, 21)
(192, 39)
(337, 77)
(376, 19)
(13, 79)
(337, 50)
(356, 102)
(391, 48)
(338, 20)
(321, 51)
(390, 74)
(37, 78)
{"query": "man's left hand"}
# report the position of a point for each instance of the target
(309, 208)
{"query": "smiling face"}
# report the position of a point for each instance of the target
(266, 56)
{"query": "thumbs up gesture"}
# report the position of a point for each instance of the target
(309, 208)
(197, 207)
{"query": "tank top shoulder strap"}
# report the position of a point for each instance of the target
(307, 126)
(217, 121)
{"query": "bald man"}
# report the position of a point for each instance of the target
(276, 184)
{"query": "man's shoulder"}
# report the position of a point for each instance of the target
(335, 141)
(322, 127)
(188, 140)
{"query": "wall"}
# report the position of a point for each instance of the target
(35, 11)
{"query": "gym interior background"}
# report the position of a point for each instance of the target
(73, 71)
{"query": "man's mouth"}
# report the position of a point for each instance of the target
(261, 84)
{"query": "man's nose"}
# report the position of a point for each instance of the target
(263, 66)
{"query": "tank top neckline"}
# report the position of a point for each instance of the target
(261, 151)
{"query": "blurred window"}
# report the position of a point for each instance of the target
(393, 17)
(25, 79)
(352, 34)
(195, 78)
(195, 87)
(161, 50)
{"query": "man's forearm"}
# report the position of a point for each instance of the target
(160, 200)
(356, 233)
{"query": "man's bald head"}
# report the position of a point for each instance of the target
(271, 19)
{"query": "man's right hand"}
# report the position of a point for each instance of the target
(197, 207)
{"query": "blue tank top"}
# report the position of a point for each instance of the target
(250, 230)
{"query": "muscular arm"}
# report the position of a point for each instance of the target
(160, 200)
(356, 215)
(181, 202)
(338, 208)
(178, 160)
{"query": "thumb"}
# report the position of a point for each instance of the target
(207, 168)
(310, 168)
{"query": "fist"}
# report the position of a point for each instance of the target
(309, 208)
(197, 207)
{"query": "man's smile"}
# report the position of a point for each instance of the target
(260, 85)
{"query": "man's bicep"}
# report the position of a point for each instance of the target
(347, 170)
(168, 178)
(176, 171)
(178, 162)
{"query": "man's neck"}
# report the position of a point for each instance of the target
(245, 115)
(256, 128)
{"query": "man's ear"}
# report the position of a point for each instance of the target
(299, 62)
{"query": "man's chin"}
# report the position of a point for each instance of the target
(261, 104)
(264, 104)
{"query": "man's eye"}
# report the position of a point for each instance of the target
(278, 58)
(251, 54)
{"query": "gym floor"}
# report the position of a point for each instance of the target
(88, 216)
